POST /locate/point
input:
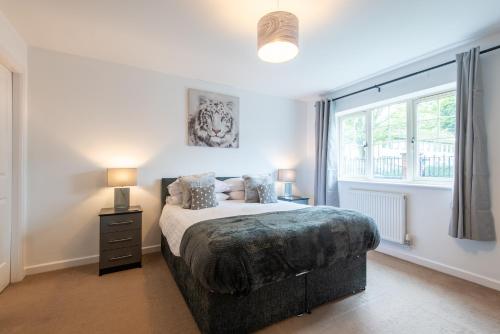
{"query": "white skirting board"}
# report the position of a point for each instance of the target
(441, 267)
(80, 261)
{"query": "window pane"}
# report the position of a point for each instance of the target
(435, 136)
(428, 110)
(389, 132)
(353, 141)
(428, 129)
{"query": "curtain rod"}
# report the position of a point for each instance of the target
(407, 76)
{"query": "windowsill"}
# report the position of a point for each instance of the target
(429, 185)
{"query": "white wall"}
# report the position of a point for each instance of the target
(13, 49)
(86, 115)
(306, 168)
(429, 209)
(14, 56)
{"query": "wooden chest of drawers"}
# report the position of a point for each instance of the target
(120, 245)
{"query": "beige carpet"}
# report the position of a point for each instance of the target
(400, 298)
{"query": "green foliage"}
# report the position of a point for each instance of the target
(389, 123)
(448, 116)
(354, 130)
(436, 119)
(354, 136)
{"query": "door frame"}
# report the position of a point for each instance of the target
(17, 64)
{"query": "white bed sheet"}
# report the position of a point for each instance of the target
(175, 220)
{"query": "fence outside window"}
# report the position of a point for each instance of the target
(395, 167)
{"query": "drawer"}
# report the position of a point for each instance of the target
(120, 256)
(124, 222)
(120, 239)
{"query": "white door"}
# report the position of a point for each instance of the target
(5, 174)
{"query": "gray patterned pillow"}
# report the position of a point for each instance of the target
(192, 181)
(251, 183)
(203, 197)
(267, 193)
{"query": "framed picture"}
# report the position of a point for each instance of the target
(213, 119)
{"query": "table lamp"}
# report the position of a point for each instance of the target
(287, 176)
(120, 178)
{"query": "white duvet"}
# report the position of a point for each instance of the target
(175, 220)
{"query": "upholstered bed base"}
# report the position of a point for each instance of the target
(220, 313)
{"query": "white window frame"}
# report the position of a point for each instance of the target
(412, 170)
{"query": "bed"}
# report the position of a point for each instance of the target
(231, 304)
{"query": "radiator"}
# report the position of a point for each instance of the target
(388, 209)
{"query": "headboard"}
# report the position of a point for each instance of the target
(166, 181)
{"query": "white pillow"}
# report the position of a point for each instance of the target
(237, 195)
(235, 184)
(221, 196)
(175, 188)
(174, 200)
(221, 187)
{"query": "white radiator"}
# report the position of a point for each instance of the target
(386, 208)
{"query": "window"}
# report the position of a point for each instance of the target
(407, 140)
(353, 159)
(435, 136)
(389, 141)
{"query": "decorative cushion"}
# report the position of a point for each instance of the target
(191, 181)
(203, 197)
(237, 195)
(235, 184)
(251, 183)
(221, 196)
(267, 193)
(174, 200)
(221, 187)
(175, 188)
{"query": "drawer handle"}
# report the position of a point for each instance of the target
(119, 240)
(120, 257)
(126, 222)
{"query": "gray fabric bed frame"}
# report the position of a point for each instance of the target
(221, 313)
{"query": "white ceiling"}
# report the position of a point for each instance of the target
(341, 41)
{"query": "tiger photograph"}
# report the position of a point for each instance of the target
(213, 119)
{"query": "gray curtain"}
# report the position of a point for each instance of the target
(326, 190)
(471, 216)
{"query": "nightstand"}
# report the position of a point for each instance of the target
(295, 199)
(120, 244)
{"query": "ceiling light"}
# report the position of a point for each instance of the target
(278, 37)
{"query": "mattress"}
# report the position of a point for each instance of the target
(174, 220)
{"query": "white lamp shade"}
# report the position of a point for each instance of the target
(287, 175)
(122, 177)
(278, 37)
